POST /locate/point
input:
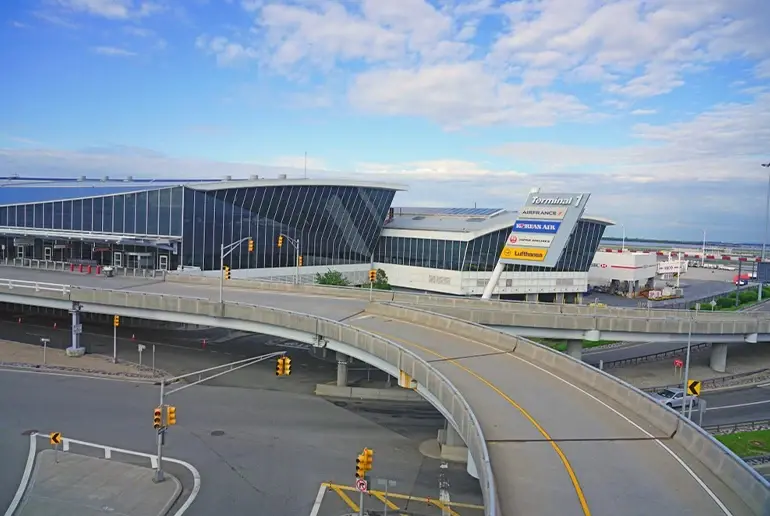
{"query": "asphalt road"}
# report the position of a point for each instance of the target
(724, 408)
(269, 450)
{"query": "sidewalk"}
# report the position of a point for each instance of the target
(16, 354)
(85, 486)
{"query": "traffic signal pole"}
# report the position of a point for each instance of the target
(297, 252)
(165, 420)
(224, 253)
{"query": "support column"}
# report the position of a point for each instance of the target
(575, 349)
(578, 299)
(76, 350)
(453, 447)
(342, 370)
(559, 299)
(532, 298)
(718, 361)
(452, 438)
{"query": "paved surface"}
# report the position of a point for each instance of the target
(254, 448)
(749, 404)
(592, 472)
(66, 484)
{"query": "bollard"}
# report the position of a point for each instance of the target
(98, 269)
(81, 268)
(89, 269)
(203, 344)
(72, 267)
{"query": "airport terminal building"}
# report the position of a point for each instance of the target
(346, 225)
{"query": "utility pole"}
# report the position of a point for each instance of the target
(224, 253)
(165, 415)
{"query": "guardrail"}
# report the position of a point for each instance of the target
(711, 383)
(34, 285)
(153, 306)
(435, 300)
(741, 426)
(728, 467)
(654, 357)
(50, 265)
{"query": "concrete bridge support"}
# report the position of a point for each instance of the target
(575, 349)
(342, 370)
(718, 360)
(533, 298)
(453, 447)
(75, 349)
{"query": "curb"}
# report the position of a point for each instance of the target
(174, 497)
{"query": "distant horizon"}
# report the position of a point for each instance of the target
(675, 241)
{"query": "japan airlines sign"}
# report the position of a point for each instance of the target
(519, 239)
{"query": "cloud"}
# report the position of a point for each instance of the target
(643, 112)
(113, 51)
(18, 25)
(112, 9)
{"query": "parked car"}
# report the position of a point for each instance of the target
(673, 398)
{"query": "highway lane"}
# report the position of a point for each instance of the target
(269, 450)
(592, 472)
(723, 408)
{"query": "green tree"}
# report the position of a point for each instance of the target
(381, 282)
(331, 277)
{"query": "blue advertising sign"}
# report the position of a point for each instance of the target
(763, 272)
(536, 226)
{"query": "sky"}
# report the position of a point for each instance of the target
(659, 108)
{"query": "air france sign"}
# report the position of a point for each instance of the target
(544, 226)
(536, 226)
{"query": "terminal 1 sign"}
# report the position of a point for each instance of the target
(542, 229)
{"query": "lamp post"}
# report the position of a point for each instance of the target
(703, 251)
(686, 368)
(623, 244)
(764, 237)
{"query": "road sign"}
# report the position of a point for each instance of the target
(141, 347)
(713, 303)
(55, 437)
(362, 485)
(693, 387)
(541, 233)
(678, 362)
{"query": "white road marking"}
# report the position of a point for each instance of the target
(739, 405)
(443, 491)
(153, 461)
(318, 500)
(687, 468)
(24, 477)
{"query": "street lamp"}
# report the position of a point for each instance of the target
(623, 244)
(764, 237)
(703, 251)
(686, 368)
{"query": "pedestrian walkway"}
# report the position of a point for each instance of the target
(67, 484)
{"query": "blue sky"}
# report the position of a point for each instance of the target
(660, 108)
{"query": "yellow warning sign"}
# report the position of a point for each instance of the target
(530, 254)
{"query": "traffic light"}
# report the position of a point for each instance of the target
(157, 419)
(170, 415)
(286, 366)
(116, 321)
(227, 272)
(280, 240)
(279, 366)
(361, 466)
(251, 245)
(372, 276)
(368, 459)
(299, 261)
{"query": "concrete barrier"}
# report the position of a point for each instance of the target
(367, 393)
(203, 311)
(735, 473)
(471, 303)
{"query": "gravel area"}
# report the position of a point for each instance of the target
(28, 356)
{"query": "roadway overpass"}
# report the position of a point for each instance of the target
(548, 434)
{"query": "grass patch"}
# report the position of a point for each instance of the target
(561, 345)
(747, 444)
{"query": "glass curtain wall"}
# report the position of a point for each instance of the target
(481, 254)
(334, 225)
(152, 212)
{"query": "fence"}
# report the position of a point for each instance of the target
(49, 265)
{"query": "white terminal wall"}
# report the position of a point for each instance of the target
(626, 266)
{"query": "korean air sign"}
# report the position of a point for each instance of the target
(536, 226)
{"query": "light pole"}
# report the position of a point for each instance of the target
(764, 237)
(686, 368)
(45, 342)
(297, 254)
(623, 244)
(225, 252)
(703, 251)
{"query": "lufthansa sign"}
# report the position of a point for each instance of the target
(530, 212)
(529, 254)
(536, 226)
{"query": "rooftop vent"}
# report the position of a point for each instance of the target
(128, 179)
(228, 178)
(253, 177)
(475, 219)
(281, 176)
(106, 178)
(82, 178)
(419, 217)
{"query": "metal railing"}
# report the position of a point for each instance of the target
(711, 383)
(655, 357)
(35, 285)
(740, 426)
(50, 265)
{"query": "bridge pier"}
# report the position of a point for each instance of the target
(559, 299)
(532, 298)
(575, 349)
(718, 360)
(342, 370)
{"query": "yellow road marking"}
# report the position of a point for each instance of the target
(381, 495)
(570, 471)
(345, 498)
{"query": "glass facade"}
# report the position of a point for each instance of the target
(144, 213)
(335, 225)
(481, 254)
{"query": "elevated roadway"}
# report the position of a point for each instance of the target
(548, 434)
